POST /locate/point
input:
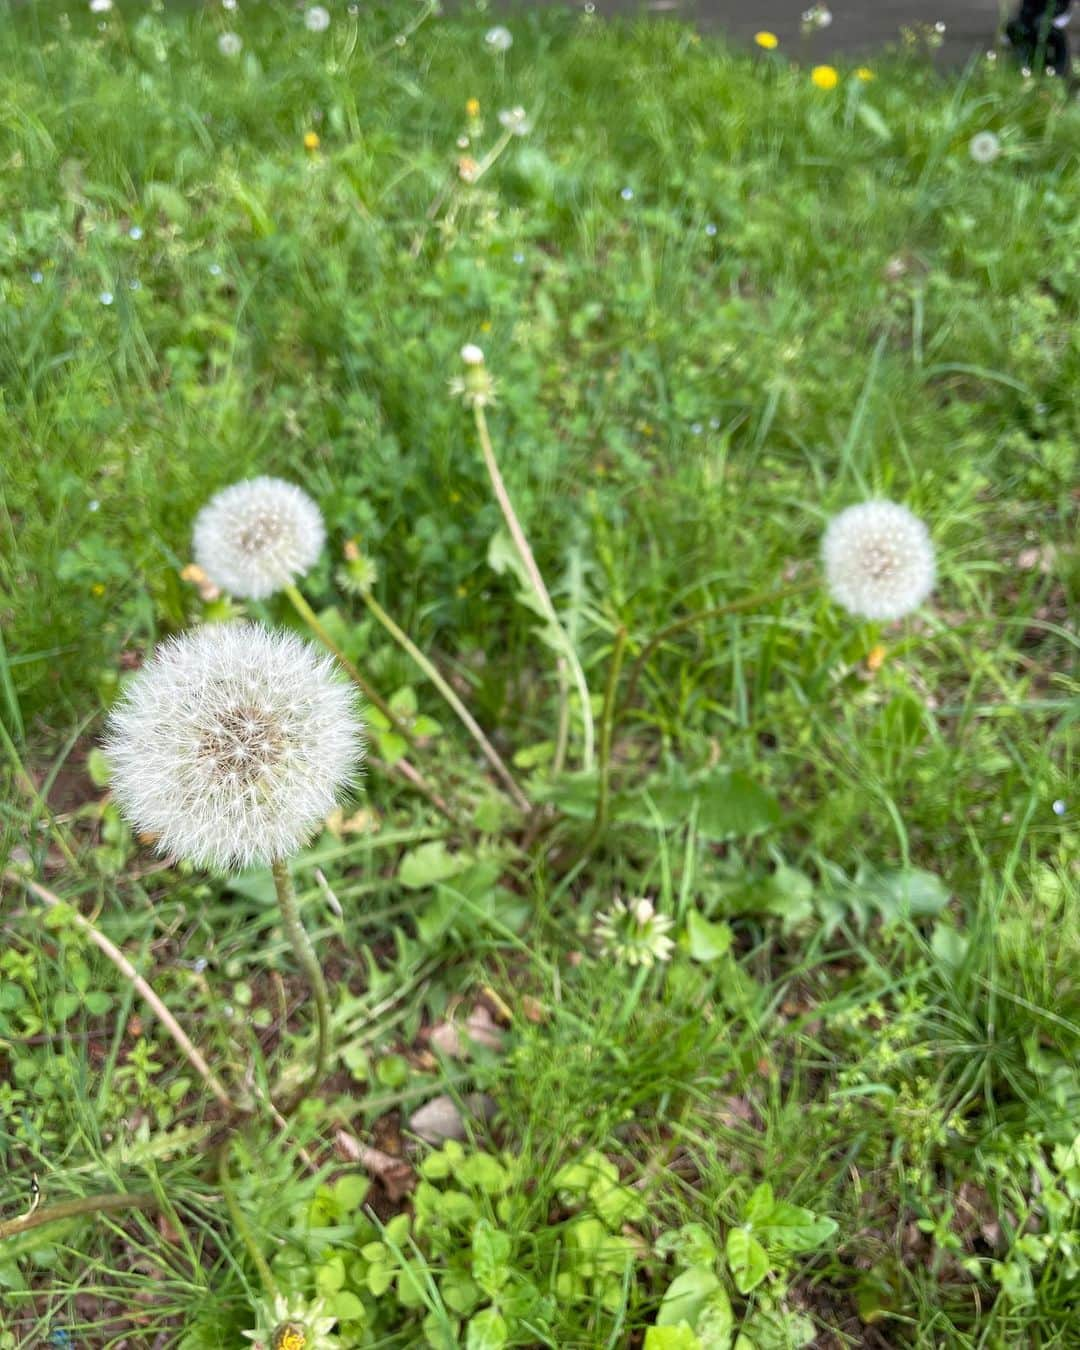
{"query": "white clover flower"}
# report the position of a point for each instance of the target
(516, 120)
(634, 934)
(879, 560)
(294, 1324)
(257, 536)
(499, 39)
(317, 19)
(984, 147)
(230, 44)
(232, 744)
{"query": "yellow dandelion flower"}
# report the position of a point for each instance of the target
(485, 326)
(97, 589)
(825, 77)
(865, 74)
(472, 107)
(767, 40)
(875, 658)
(311, 140)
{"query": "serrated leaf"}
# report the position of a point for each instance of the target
(430, 863)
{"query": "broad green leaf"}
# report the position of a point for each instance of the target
(760, 1206)
(904, 893)
(490, 1256)
(708, 941)
(747, 1259)
(682, 1337)
(686, 1296)
(486, 1331)
(716, 1321)
(347, 1307)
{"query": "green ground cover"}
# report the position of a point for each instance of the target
(719, 304)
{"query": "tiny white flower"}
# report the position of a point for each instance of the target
(516, 121)
(257, 536)
(472, 355)
(232, 744)
(135, 233)
(106, 297)
(317, 19)
(634, 934)
(230, 44)
(984, 147)
(879, 560)
(499, 39)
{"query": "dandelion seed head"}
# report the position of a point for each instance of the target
(498, 39)
(232, 744)
(879, 560)
(317, 19)
(100, 6)
(230, 44)
(257, 536)
(472, 355)
(516, 121)
(984, 147)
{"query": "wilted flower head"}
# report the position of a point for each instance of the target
(475, 388)
(499, 39)
(817, 16)
(632, 933)
(984, 147)
(516, 121)
(317, 19)
(257, 536)
(879, 560)
(232, 744)
(294, 1324)
(230, 44)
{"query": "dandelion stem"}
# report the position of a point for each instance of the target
(370, 693)
(756, 601)
(305, 954)
(73, 1209)
(240, 1222)
(120, 961)
(471, 725)
(536, 581)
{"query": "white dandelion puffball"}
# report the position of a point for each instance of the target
(230, 44)
(232, 744)
(499, 39)
(516, 121)
(317, 19)
(984, 147)
(257, 536)
(100, 6)
(472, 355)
(879, 560)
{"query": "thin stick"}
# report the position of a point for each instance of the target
(472, 726)
(120, 961)
(240, 1222)
(73, 1209)
(305, 954)
(525, 553)
(756, 601)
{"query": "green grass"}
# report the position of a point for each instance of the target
(809, 297)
